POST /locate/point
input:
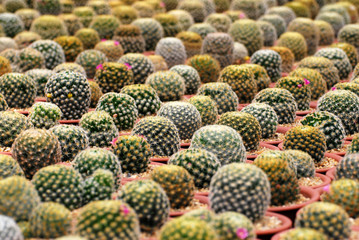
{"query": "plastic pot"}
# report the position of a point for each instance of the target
(267, 234)
(201, 199)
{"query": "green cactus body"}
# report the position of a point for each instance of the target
(72, 46)
(172, 50)
(130, 38)
(349, 34)
(300, 233)
(14, 5)
(200, 163)
(72, 23)
(151, 31)
(45, 115)
(277, 21)
(281, 100)
(159, 63)
(49, 27)
(225, 98)
(133, 153)
(350, 86)
(349, 50)
(338, 58)
(348, 167)
(307, 139)
(161, 133)
(102, 225)
(9, 167)
(206, 107)
(203, 29)
(300, 9)
(40, 77)
(177, 183)
(29, 58)
(90, 60)
(96, 93)
(269, 33)
(52, 52)
(221, 22)
(309, 30)
(207, 67)
(197, 9)
(191, 77)
(260, 76)
(354, 145)
(220, 46)
(85, 14)
(5, 66)
(126, 14)
(11, 24)
(287, 58)
(52, 7)
(192, 42)
(334, 19)
(141, 65)
(112, 49)
(149, 201)
(271, 61)
(316, 214)
(18, 198)
(252, 8)
(88, 36)
(169, 23)
(10, 229)
(326, 32)
(100, 128)
(303, 162)
(105, 25)
(295, 42)
(185, 18)
(73, 67)
(285, 12)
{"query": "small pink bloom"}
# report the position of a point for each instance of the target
(128, 66)
(103, 40)
(113, 142)
(300, 85)
(334, 88)
(114, 196)
(125, 210)
(99, 67)
(242, 15)
(142, 136)
(162, 4)
(242, 233)
(326, 188)
(306, 81)
(116, 43)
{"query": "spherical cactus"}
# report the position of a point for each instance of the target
(72, 23)
(241, 80)
(256, 189)
(350, 51)
(343, 104)
(112, 76)
(271, 61)
(126, 14)
(207, 67)
(18, 90)
(221, 22)
(169, 85)
(285, 12)
(266, 117)
(151, 31)
(70, 91)
(19, 198)
(172, 50)
(144, 9)
(203, 29)
(324, 66)
(12, 124)
(14, 5)
(105, 25)
(49, 27)
(197, 9)
(303, 162)
(316, 215)
(295, 42)
(90, 60)
(36, 148)
(269, 33)
(281, 100)
(69, 66)
(252, 8)
(191, 41)
(27, 16)
(9, 229)
(334, 19)
(309, 30)
(350, 86)
(185, 18)
(29, 58)
(281, 175)
(9, 167)
(348, 34)
(260, 76)
(61, 184)
(48, 7)
(190, 76)
(150, 202)
(298, 233)
(141, 66)
(206, 107)
(100, 7)
(307, 139)
(24, 39)
(225, 98)
(204, 214)
(126, 224)
(338, 58)
(40, 77)
(300, 9)
(100, 128)
(348, 167)
(277, 21)
(150, 127)
(177, 183)
(89, 37)
(223, 141)
(326, 32)
(184, 115)
(52, 52)
(5, 66)
(11, 24)
(45, 115)
(170, 24)
(317, 84)
(72, 46)
(248, 33)
(220, 46)
(85, 14)
(159, 63)
(130, 38)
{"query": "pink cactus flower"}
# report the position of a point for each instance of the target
(125, 210)
(103, 40)
(116, 43)
(326, 188)
(306, 81)
(113, 142)
(99, 67)
(334, 88)
(242, 15)
(128, 66)
(300, 85)
(242, 233)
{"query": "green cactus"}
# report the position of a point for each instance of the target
(172, 50)
(271, 61)
(191, 77)
(11, 24)
(52, 7)
(207, 67)
(348, 167)
(285, 12)
(221, 22)
(349, 50)
(349, 34)
(252, 8)
(126, 14)
(197, 9)
(295, 42)
(52, 52)
(72, 46)
(269, 33)
(12, 124)
(169, 23)
(184, 18)
(141, 66)
(88, 36)
(260, 75)
(206, 107)
(130, 38)
(151, 31)
(326, 32)
(49, 27)
(299, 233)
(10, 229)
(85, 14)
(69, 66)
(27, 15)
(90, 60)
(304, 163)
(220, 46)
(105, 25)
(334, 19)
(203, 29)
(45, 115)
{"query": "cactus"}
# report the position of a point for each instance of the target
(105, 25)
(40, 77)
(11, 24)
(303, 162)
(12, 124)
(159, 63)
(295, 42)
(192, 42)
(350, 86)
(45, 115)
(326, 32)
(285, 12)
(300, 9)
(221, 22)
(67, 6)
(29, 58)
(170, 24)
(220, 46)
(260, 76)
(169, 85)
(151, 31)
(152, 127)
(100, 7)
(85, 14)
(324, 66)
(281, 100)
(70, 91)
(248, 33)
(27, 16)
(141, 66)
(240, 53)
(144, 9)
(334, 19)
(256, 188)
(348, 34)
(100, 128)
(103, 225)
(172, 50)
(197, 9)
(191, 77)
(90, 60)
(277, 21)
(203, 29)
(18, 90)
(52, 7)
(266, 117)
(271, 61)
(336, 8)
(89, 37)
(349, 50)
(222, 141)
(5, 66)
(72, 46)
(315, 215)
(49, 27)
(112, 76)
(130, 38)
(281, 175)
(126, 14)
(185, 18)
(299, 233)
(252, 8)
(348, 167)
(9, 167)
(206, 107)
(9, 229)
(69, 66)
(14, 5)
(52, 52)
(207, 67)
(18, 198)
(269, 33)
(343, 104)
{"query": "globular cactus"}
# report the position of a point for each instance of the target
(203, 29)
(151, 31)
(349, 50)
(207, 67)
(49, 27)
(190, 76)
(52, 52)
(277, 21)
(220, 46)
(252, 8)
(269, 33)
(195, 8)
(172, 50)
(88, 36)
(304, 163)
(12, 125)
(169, 23)
(9, 167)
(192, 42)
(295, 42)
(349, 34)
(45, 115)
(141, 66)
(85, 14)
(334, 19)
(72, 46)
(11, 24)
(184, 18)
(206, 107)
(126, 14)
(105, 25)
(221, 22)
(27, 16)
(90, 60)
(72, 23)
(300, 9)
(5, 66)
(271, 61)
(9, 229)
(326, 32)
(285, 12)
(298, 233)
(130, 38)
(260, 76)
(72, 67)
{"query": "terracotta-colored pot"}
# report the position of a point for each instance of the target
(282, 129)
(290, 211)
(124, 133)
(344, 152)
(265, 145)
(304, 113)
(313, 104)
(150, 238)
(92, 109)
(70, 122)
(125, 180)
(272, 85)
(330, 155)
(275, 142)
(242, 105)
(206, 194)
(331, 173)
(349, 138)
(185, 145)
(6, 153)
(326, 180)
(40, 99)
(276, 237)
(267, 234)
(185, 97)
(201, 199)
(149, 53)
(284, 74)
(24, 112)
(159, 159)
